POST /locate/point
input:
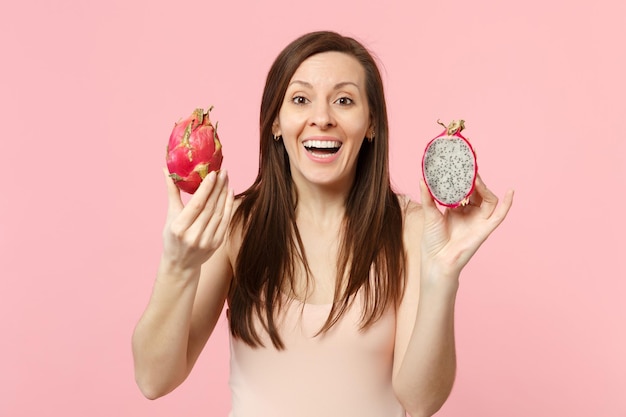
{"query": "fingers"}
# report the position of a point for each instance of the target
(489, 207)
(175, 203)
(427, 199)
(485, 199)
(212, 211)
(189, 213)
(217, 226)
(428, 204)
(475, 199)
(196, 230)
(503, 209)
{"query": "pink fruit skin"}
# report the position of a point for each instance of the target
(193, 151)
(462, 202)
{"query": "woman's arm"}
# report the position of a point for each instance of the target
(438, 246)
(191, 286)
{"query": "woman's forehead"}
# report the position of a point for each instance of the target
(329, 68)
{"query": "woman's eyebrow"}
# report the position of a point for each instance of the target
(303, 83)
(337, 86)
(345, 83)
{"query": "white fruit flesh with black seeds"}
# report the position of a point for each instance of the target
(449, 169)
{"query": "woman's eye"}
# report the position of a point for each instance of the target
(345, 101)
(299, 100)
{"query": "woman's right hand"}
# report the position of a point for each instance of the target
(193, 232)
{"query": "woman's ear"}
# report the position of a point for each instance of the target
(276, 129)
(371, 133)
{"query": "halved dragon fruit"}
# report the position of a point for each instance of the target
(193, 151)
(449, 166)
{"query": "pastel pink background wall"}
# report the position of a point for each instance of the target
(89, 92)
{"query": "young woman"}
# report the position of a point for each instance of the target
(340, 292)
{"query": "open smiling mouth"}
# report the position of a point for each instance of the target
(322, 148)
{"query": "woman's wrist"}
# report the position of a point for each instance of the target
(172, 270)
(439, 278)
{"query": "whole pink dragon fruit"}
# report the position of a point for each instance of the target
(449, 166)
(193, 151)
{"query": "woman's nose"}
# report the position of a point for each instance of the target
(322, 116)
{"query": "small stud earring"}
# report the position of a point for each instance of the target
(277, 137)
(371, 137)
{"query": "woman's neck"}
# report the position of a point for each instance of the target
(322, 206)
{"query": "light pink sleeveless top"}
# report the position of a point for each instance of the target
(342, 373)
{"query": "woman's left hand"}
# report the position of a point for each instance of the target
(451, 238)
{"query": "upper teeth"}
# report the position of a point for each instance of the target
(322, 144)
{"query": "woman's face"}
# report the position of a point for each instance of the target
(324, 119)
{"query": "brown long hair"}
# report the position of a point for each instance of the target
(271, 246)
